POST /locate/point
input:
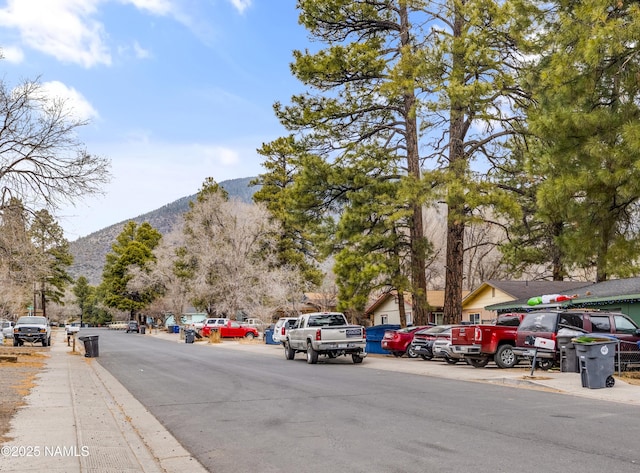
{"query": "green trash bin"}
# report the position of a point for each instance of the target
(90, 346)
(597, 362)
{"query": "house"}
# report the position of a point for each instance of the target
(318, 302)
(616, 295)
(479, 306)
(385, 310)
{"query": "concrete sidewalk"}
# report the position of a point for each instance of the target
(78, 418)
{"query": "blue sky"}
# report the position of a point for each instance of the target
(175, 90)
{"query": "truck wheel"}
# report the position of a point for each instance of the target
(478, 362)
(356, 358)
(426, 357)
(44, 342)
(451, 361)
(289, 353)
(397, 354)
(312, 355)
(504, 357)
(15, 342)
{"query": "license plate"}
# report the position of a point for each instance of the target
(354, 332)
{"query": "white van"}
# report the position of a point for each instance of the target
(282, 326)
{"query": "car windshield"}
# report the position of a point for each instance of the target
(539, 322)
(436, 329)
(32, 320)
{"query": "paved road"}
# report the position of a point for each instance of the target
(244, 412)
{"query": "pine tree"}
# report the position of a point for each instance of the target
(133, 249)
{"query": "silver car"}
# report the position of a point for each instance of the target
(442, 347)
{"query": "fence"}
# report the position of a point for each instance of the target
(628, 357)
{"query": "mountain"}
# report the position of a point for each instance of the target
(89, 252)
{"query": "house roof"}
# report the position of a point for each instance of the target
(614, 290)
(435, 299)
(527, 289)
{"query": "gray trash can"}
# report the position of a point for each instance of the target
(90, 346)
(143, 329)
(189, 336)
(568, 356)
(597, 363)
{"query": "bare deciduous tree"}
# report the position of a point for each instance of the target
(233, 245)
(42, 161)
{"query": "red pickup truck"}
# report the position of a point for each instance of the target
(480, 343)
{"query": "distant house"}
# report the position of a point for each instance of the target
(318, 302)
(385, 310)
(480, 305)
(617, 295)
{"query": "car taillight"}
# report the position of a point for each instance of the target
(282, 330)
(477, 334)
(318, 334)
(364, 334)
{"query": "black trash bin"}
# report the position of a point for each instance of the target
(568, 357)
(189, 336)
(142, 329)
(90, 346)
(597, 362)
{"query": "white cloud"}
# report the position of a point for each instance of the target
(140, 52)
(12, 54)
(157, 7)
(64, 29)
(80, 107)
(241, 5)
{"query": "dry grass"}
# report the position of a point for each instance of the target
(16, 381)
(631, 377)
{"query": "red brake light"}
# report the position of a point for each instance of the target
(478, 334)
(364, 333)
(318, 334)
(282, 330)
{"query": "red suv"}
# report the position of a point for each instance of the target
(546, 323)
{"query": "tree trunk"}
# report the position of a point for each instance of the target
(401, 309)
(454, 273)
(454, 269)
(418, 261)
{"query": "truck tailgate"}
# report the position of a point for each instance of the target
(339, 334)
(463, 335)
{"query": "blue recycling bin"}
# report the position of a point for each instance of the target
(268, 337)
(176, 329)
(374, 337)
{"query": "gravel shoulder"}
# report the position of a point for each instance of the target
(19, 367)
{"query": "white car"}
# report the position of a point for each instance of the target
(211, 322)
(281, 328)
(441, 348)
(7, 328)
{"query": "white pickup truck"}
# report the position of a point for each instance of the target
(325, 333)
